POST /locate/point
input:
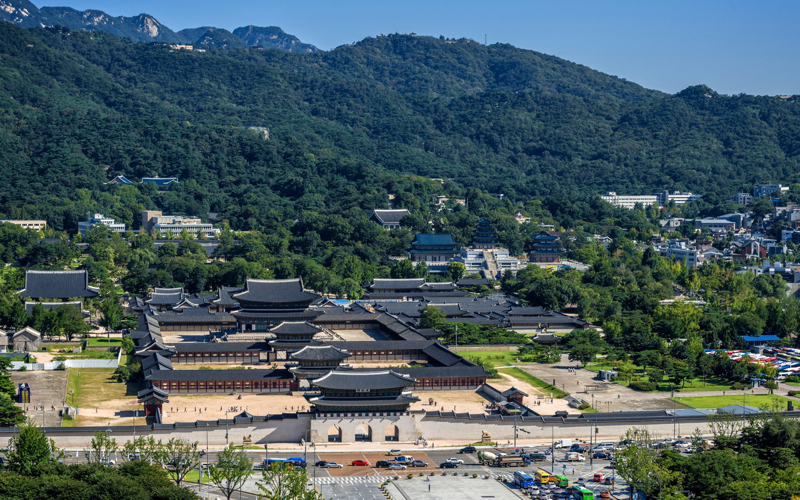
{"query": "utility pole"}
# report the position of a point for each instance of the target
(515, 430)
(552, 451)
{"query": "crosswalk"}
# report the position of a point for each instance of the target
(351, 480)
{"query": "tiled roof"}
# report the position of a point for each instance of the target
(224, 296)
(396, 284)
(223, 375)
(295, 328)
(323, 401)
(193, 315)
(434, 239)
(390, 216)
(319, 353)
(363, 380)
(156, 359)
(473, 282)
(194, 347)
(58, 285)
(49, 306)
(276, 292)
(165, 298)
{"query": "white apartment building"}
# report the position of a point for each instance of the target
(742, 199)
(28, 224)
(679, 198)
(767, 189)
(84, 227)
(679, 252)
(154, 220)
(628, 201)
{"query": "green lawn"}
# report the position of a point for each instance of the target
(103, 342)
(796, 384)
(497, 358)
(191, 477)
(88, 355)
(536, 382)
(734, 399)
(693, 385)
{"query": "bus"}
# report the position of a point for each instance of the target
(285, 462)
(581, 493)
(523, 480)
(542, 476)
(560, 480)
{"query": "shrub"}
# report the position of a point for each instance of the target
(794, 393)
(584, 406)
(23, 368)
(421, 474)
(410, 476)
(643, 386)
(474, 475)
(793, 378)
(738, 386)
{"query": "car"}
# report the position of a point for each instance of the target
(360, 463)
(448, 465)
(598, 478)
(394, 453)
(605, 494)
(419, 463)
(552, 486)
(534, 491)
(381, 463)
(455, 461)
(134, 457)
(333, 465)
(320, 463)
(608, 480)
(397, 467)
(468, 449)
(543, 496)
(602, 455)
(581, 481)
(682, 444)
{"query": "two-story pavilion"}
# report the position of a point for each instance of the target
(267, 303)
(349, 391)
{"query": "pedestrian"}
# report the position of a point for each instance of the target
(617, 396)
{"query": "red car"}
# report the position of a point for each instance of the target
(361, 463)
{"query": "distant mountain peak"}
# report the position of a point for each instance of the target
(272, 37)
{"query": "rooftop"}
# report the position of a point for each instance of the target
(363, 380)
(58, 285)
(276, 292)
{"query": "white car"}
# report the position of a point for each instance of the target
(534, 491)
(333, 465)
(397, 467)
(683, 444)
(455, 461)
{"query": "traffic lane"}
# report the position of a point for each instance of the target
(441, 456)
(346, 459)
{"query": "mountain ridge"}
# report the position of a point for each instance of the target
(146, 28)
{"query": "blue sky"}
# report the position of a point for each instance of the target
(731, 46)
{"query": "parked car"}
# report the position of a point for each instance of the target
(397, 467)
(468, 449)
(448, 465)
(455, 461)
(320, 463)
(360, 463)
(394, 453)
(381, 463)
(682, 444)
(419, 463)
(333, 465)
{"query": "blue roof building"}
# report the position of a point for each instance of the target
(439, 248)
(161, 182)
(121, 180)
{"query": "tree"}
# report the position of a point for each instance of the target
(431, 317)
(456, 270)
(10, 414)
(232, 469)
(637, 462)
(147, 448)
(127, 345)
(30, 448)
(584, 353)
(6, 384)
(280, 482)
(180, 457)
(103, 447)
(112, 313)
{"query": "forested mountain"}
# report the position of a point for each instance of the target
(80, 107)
(272, 37)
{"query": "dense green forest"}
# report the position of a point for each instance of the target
(350, 126)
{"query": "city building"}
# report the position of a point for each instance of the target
(154, 220)
(628, 201)
(767, 189)
(545, 247)
(677, 197)
(389, 219)
(97, 219)
(713, 223)
(680, 252)
(743, 199)
(36, 225)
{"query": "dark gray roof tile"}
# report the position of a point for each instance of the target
(58, 285)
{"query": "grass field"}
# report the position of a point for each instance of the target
(536, 382)
(795, 384)
(89, 387)
(89, 355)
(693, 385)
(103, 342)
(497, 358)
(720, 401)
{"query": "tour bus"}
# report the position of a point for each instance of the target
(285, 462)
(581, 493)
(523, 480)
(542, 476)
